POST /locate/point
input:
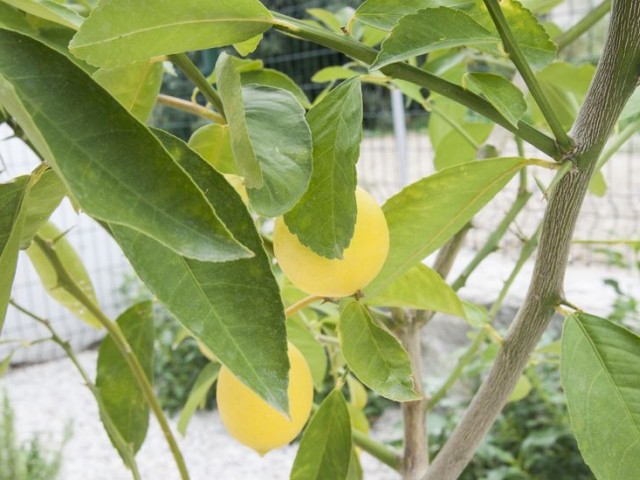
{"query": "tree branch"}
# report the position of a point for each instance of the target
(517, 57)
(613, 83)
(404, 71)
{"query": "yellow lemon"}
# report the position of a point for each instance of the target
(361, 262)
(255, 423)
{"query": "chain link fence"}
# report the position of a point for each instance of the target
(395, 151)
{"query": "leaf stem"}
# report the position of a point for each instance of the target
(66, 281)
(195, 75)
(567, 37)
(299, 305)
(114, 433)
(356, 50)
(517, 57)
(190, 107)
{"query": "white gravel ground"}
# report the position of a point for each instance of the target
(47, 396)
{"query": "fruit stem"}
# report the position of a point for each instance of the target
(117, 439)
(190, 107)
(299, 305)
(66, 281)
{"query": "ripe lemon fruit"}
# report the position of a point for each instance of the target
(337, 277)
(255, 423)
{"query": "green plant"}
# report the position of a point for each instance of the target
(195, 243)
(28, 460)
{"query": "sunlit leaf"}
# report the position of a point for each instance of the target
(277, 79)
(72, 263)
(213, 143)
(599, 370)
(12, 196)
(385, 368)
(504, 95)
(420, 288)
(119, 32)
(311, 349)
(325, 448)
(50, 10)
(205, 380)
(121, 395)
(135, 86)
(336, 127)
(424, 215)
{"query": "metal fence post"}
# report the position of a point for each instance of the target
(400, 134)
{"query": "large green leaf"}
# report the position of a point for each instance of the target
(455, 148)
(428, 30)
(12, 196)
(504, 95)
(12, 19)
(135, 86)
(424, 215)
(374, 355)
(233, 308)
(421, 288)
(325, 448)
(113, 166)
(49, 10)
(270, 139)
(600, 362)
(205, 380)
(46, 193)
(67, 255)
(336, 127)
(281, 139)
(119, 32)
(121, 395)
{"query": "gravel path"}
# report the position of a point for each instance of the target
(47, 396)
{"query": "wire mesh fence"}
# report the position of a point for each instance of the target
(391, 156)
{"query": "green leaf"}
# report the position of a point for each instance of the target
(428, 30)
(598, 185)
(501, 93)
(331, 74)
(599, 372)
(328, 18)
(49, 10)
(274, 78)
(13, 19)
(121, 396)
(311, 349)
(454, 149)
(384, 14)
(248, 46)
(270, 139)
(355, 469)
(325, 448)
(5, 363)
(205, 380)
(282, 141)
(46, 193)
(521, 390)
(475, 315)
(48, 232)
(12, 197)
(135, 86)
(424, 215)
(213, 143)
(421, 288)
(336, 127)
(113, 166)
(119, 32)
(374, 355)
(211, 299)
(531, 36)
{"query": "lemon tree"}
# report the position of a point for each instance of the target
(257, 236)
